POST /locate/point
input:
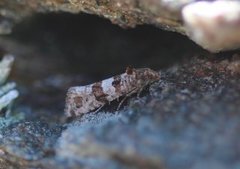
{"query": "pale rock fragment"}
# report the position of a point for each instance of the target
(213, 25)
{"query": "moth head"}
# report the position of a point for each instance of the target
(148, 75)
(129, 70)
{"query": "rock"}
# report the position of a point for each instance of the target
(112, 142)
(188, 119)
(213, 25)
(27, 141)
(184, 123)
(213, 28)
(127, 13)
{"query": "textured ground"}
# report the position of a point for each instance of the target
(189, 119)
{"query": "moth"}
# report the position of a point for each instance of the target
(84, 99)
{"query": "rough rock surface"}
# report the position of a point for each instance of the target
(127, 13)
(183, 123)
(207, 23)
(189, 119)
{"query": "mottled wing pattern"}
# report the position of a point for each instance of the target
(83, 99)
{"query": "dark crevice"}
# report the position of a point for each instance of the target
(91, 45)
(58, 50)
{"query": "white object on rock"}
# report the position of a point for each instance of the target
(213, 25)
(5, 67)
(6, 99)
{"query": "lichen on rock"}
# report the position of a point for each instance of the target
(8, 93)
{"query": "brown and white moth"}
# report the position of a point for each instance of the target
(83, 99)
